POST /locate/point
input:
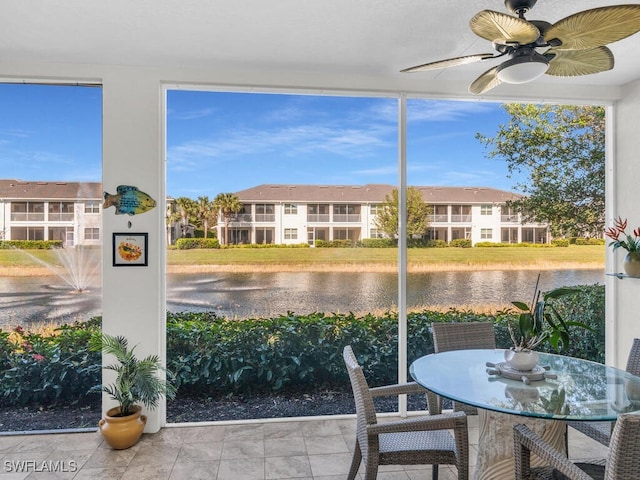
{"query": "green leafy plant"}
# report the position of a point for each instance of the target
(541, 322)
(136, 380)
(616, 233)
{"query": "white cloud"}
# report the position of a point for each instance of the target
(191, 114)
(422, 110)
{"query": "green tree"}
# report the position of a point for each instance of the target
(205, 212)
(387, 218)
(185, 207)
(229, 205)
(555, 155)
(172, 216)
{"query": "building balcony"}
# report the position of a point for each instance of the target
(241, 218)
(509, 218)
(60, 217)
(265, 217)
(461, 218)
(318, 218)
(27, 217)
(344, 218)
(439, 218)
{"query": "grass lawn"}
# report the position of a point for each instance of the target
(359, 259)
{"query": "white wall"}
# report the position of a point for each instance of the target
(133, 297)
(623, 296)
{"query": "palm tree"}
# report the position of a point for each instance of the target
(229, 204)
(206, 212)
(185, 207)
(172, 216)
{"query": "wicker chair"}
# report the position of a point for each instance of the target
(621, 463)
(409, 441)
(601, 431)
(460, 336)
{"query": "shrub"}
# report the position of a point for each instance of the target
(190, 243)
(492, 244)
(460, 243)
(49, 369)
(379, 242)
(425, 243)
(212, 356)
(269, 245)
(31, 244)
(560, 242)
(334, 243)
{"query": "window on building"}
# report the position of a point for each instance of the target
(265, 212)
(290, 209)
(92, 233)
(61, 211)
(486, 233)
(290, 233)
(92, 207)
(25, 211)
(486, 210)
(373, 209)
(376, 233)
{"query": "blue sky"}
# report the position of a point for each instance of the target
(225, 142)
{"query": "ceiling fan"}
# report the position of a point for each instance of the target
(572, 46)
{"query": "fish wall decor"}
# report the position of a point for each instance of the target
(129, 200)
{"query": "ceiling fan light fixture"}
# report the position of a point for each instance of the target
(523, 68)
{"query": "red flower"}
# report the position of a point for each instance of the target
(629, 243)
(38, 358)
(19, 330)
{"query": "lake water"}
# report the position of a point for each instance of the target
(27, 300)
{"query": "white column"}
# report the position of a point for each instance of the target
(134, 297)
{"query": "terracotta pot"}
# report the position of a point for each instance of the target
(631, 264)
(122, 432)
(523, 360)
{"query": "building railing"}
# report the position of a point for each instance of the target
(340, 217)
(60, 217)
(509, 218)
(27, 217)
(265, 217)
(461, 218)
(242, 217)
(441, 218)
(317, 217)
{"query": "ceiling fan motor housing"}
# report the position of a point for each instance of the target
(519, 7)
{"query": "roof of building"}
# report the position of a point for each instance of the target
(19, 189)
(369, 193)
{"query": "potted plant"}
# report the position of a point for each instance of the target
(621, 239)
(136, 382)
(538, 322)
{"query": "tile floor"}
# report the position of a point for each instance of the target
(308, 449)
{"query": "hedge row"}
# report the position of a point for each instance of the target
(31, 244)
(212, 356)
(191, 243)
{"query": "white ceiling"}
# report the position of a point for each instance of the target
(357, 39)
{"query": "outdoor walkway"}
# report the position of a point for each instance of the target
(305, 450)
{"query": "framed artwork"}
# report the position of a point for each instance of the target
(130, 249)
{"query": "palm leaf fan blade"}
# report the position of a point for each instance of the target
(503, 29)
(596, 27)
(485, 82)
(451, 62)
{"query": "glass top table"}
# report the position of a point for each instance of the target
(582, 390)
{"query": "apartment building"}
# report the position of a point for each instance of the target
(289, 214)
(280, 214)
(66, 211)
